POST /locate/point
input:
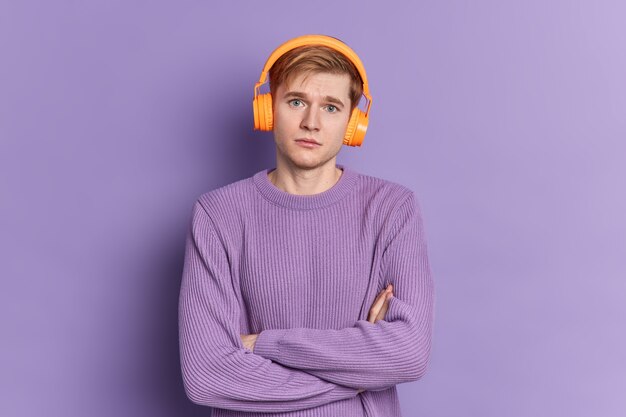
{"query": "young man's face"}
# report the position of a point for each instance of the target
(317, 108)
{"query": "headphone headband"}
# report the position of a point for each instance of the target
(324, 40)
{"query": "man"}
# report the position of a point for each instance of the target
(286, 302)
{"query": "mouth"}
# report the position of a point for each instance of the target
(308, 141)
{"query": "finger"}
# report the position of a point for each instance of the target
(375, 306)
(378, 303)
(383, 310)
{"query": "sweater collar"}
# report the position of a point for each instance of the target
(342, 188)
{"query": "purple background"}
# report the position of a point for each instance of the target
(506, 118)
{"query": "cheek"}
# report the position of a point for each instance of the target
(340, 124)
(284, 120)
(284, 129)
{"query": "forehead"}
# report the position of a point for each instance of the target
(323, 83)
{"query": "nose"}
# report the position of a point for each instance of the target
(310, 120)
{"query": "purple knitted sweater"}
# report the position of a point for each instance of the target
(302, 271)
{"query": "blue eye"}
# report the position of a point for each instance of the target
(334, 109)
(294, 100)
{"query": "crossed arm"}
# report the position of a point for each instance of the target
(377, 312)
(293, 369)
(372, 354)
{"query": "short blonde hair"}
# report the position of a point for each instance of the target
(310, 59)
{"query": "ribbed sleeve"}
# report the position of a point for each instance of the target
(388, 352)
(217, 370)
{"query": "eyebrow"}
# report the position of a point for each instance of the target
(299, 94)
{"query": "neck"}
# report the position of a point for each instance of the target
(305, 181)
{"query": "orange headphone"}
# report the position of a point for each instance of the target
(262, 103)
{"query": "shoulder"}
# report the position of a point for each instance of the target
(391, 202)
(382, 191)
(225, 199)
(224, 208)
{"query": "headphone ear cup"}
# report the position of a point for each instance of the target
(263, 116)
(255, 109)
(269, 114)
(357, 126)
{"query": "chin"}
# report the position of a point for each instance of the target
(302, 163)
(305, 164)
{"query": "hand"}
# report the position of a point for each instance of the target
(380, 305)
(249, 340)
